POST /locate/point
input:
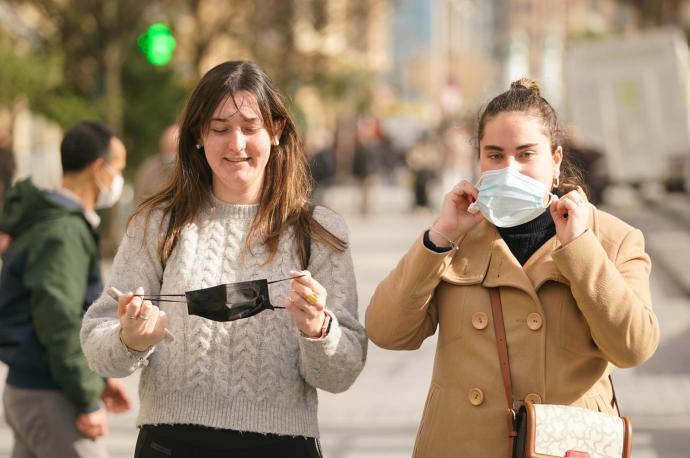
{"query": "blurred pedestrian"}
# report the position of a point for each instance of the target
(236, 209)
(423, 160)
(322, 168)
(51, 274)
(156, 169)
(365, 159)
(573, 282)
(591, 162)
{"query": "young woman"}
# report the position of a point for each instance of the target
(573, 283)
(236, 209)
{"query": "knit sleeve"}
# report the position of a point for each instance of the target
(137, 263)
(334, 362)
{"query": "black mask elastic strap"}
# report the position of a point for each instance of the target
(159, 297)
(283, 279)
(286, 279)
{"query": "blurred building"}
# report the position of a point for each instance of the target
(444, 53)
(478, 46)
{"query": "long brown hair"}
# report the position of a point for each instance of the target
(284, 199)
(524, 95)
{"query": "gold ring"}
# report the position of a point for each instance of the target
(312, 298)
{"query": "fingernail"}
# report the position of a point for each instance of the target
(139, 290)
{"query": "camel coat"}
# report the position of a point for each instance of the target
(571, 313)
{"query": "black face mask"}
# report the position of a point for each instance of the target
(228, 302)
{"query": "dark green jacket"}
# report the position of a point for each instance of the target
(50, 275)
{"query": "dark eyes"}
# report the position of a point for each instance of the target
(246, 130)
(523, 154)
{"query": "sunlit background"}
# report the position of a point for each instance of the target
(386, 95)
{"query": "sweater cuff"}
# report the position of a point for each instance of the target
(135, 359)
(325, 345)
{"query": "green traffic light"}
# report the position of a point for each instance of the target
(157, 44)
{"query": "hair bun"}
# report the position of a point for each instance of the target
(525, 83)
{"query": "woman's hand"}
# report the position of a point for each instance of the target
(569, 214)
(115, 397)
(142, 323)
(307, 304)
(454, 220)
(92, 424)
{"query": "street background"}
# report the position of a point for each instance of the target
(386, 95)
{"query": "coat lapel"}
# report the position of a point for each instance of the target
(483, 257)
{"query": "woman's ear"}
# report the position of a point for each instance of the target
(278, 132)
(557, 156)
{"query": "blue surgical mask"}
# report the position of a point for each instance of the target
(508, 198)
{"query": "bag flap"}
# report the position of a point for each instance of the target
(552, 430)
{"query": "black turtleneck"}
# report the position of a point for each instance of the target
(524, 239)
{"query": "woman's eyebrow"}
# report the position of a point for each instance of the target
(527, 145)
(252, 119)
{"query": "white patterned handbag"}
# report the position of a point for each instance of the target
(549, 430)
(556, 431)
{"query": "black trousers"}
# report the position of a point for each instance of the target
(193, 441)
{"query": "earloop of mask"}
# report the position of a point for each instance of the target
(161, 297)
(226, 302)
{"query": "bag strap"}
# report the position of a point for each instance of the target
(501, 344)
(615, 401)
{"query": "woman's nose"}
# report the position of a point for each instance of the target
(236, 140)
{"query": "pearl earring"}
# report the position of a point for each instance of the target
(199, 146)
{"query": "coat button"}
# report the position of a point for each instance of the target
(534, 321)
(476, 396)
(480, 320)
(534, 398)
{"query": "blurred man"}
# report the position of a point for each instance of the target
(51, 274)
(155, 170)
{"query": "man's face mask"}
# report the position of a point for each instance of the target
(227, 302)
(508, 198)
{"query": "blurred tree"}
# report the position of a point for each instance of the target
(90, 35)
(91, 40)
(265, 30)
(25, 78)
(154, 98)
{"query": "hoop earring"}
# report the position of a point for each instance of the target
(557, 181)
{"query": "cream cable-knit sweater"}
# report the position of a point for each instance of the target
(256, 374)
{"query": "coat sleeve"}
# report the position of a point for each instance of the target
(613, 295)
(334, 362)
(402, 312)
(136, 263)
(56, 274)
